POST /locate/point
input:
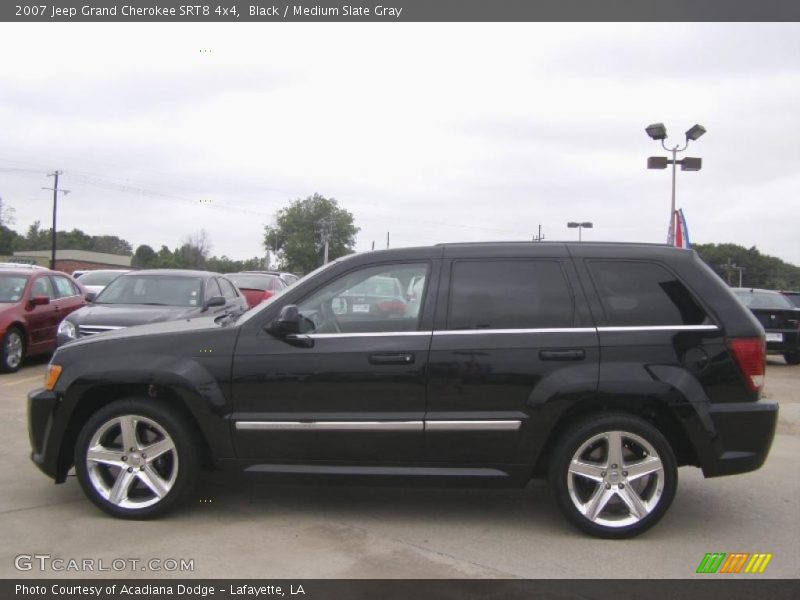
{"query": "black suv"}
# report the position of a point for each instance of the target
(602, 367)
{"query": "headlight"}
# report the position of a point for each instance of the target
(68, 329)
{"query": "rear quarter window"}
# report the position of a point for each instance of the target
(644, 293)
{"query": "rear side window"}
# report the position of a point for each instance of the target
(643, 294)
(509, 294)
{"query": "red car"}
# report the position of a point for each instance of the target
(32, 304)
(257, 287)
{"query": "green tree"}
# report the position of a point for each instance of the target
(760, 270)
(144, 257)
(9, 239)
(111, 244)
(299, 229)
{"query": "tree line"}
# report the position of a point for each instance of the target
(758, 270)
(295, 241)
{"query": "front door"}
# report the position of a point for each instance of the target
(352, 388)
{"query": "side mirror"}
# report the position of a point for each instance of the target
(90, 296)
(288, 321)
(214, 301)
(39, 301)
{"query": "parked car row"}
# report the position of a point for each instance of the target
(41, 309)
(780, 318)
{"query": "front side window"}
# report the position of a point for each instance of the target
(366, 301)
(509, 294)
(643, 294)
(42, 287)
(64, 287)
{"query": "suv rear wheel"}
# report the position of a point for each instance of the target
(614, 476)
(135, 459)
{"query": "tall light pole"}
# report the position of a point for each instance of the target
(580, 227)
(658, 132)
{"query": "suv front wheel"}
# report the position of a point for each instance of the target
(614, 476)
(135, 459)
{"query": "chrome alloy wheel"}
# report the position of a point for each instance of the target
(132, 462)
(13, 349)
(615, 478)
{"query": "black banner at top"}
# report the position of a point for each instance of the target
(398, 10)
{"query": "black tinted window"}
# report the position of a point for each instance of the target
(509, 294)
(641, 293)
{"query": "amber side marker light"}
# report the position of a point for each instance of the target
(51, 376)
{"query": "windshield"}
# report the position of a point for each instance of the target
(99, 277)
(12, 287)
(763, 299)
(166, 290)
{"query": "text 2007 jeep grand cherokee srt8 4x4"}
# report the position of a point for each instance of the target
(603, 367)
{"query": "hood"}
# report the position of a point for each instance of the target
(128, 315)
(154, 329)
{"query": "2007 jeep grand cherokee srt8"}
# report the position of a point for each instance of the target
(603, 367)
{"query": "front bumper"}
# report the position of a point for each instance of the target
(741, 439)
(42, 407)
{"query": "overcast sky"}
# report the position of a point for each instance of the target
(434, 132)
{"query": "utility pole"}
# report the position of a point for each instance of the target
(326, 232)
(55, 190)
(540, 237)
(387, 239)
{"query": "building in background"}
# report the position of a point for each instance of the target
(72, 260)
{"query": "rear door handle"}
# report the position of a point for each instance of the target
(391, 359)
(572, 354)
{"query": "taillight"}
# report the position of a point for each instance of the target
(267, 295)
(751, 356)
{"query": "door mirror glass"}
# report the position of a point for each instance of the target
(288, 321)
(90, 296)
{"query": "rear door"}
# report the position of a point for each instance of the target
(512, 335)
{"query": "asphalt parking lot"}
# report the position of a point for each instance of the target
(237, 526)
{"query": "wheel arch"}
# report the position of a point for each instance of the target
(86, 400)
(654, 410)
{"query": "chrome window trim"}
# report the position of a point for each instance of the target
(439, 332)
(368, 334)
(662, 328)
(476, 425)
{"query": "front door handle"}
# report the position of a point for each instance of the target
(300, 340)
(571, 354)
(391, 359)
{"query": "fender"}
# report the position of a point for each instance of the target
(194, 383)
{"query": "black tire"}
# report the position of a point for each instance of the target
(173, 473)
(792, 358)
(10, 360)
(589, 440)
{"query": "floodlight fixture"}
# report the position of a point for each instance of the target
(695, 132)
(657, 131)
(691, 164)
(657, 162)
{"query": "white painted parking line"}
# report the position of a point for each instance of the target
(26, 380)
